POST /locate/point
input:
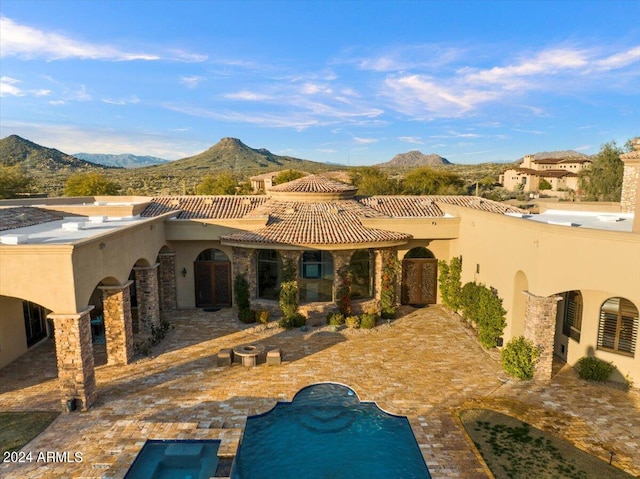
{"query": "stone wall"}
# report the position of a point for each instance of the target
(148, 297)
(629, 187)
(74, 356)
(118, 328)
(167, 272)
(540, 328)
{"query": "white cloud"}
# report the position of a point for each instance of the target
(411, 139)
(364, 141)
(132, 100)
(247, 95)
(8, 87)
(41, 92)
(192, 81)
(619, 60)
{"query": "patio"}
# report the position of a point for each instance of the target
(425, 365)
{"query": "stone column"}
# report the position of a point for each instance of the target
(118, 329)
(341, 259)
(382, 257)
(168, 295)
(540, 328)
(74, 355)
(243, 261)
(630, 196)
(148, 297)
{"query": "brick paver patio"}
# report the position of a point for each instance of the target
(425, 365)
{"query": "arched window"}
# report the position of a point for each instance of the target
(212, 254)
(618, 329)
(269, 270)
(362, 269)
(572, 314)
(419, 252)
(316, 276)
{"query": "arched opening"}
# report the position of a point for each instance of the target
(419, 277)
(213, 279)
(618, 326)
(519, 304)
(316, 277)
(361, 265)
(269, 271)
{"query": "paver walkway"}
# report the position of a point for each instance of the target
(425, 365)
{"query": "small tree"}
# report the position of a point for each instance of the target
(241, 290)
(223, 184)
(428, 181)
(90, 184)
(450, 284)
(289, 298)
(12, 182)
(603, 180)
(287, 176)
(373, 181)
(544, 185)
(483, 307)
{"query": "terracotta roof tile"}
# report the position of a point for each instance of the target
(20, 217)
(313, 184)
(191, 207)
(427, 206)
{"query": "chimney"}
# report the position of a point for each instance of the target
(630, 199)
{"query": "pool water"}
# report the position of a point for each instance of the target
(175, 460)
(326, 432)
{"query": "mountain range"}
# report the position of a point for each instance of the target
(126, 160)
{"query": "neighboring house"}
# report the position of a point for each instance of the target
(263, 182)
(560, 173)
(569, 280)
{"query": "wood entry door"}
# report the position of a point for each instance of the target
(419, 281)
(213, 283)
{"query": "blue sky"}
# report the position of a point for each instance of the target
(340, 81)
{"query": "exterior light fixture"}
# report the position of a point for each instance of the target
(183, 272)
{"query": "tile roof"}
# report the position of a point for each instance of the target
(20, 217)
(313, 184)
(555, 161)
(213, 207)
(548, 173)
(427, 206)
(316, 223)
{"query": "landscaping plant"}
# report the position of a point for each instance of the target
(519, 358)
(594, 369)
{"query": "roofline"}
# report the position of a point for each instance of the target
(311, 246)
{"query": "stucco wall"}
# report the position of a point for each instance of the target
(13, 338)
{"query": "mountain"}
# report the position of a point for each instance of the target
(126, 160)
(231, 155)
(37, 159)
(414, 159)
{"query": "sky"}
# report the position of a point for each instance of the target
(349, 82)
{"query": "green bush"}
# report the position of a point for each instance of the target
(368, 321)
(262, 316)
(241, 290)
(450, 284)
(247, 316)
(288, 298)
(335, 319)
(388, 313)
(296, 320)
(482, 307)
(519, 358)
(352, 322)
(594, 369)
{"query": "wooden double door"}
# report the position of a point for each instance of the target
(419, 281)
(213, 283)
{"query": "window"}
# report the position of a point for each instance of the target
(362, 267)
(316, 276)
(34, 322)
(269, 270)
(618, 329)
(572, 314)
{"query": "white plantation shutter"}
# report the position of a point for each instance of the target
(618, 330)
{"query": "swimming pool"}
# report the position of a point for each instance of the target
(326, 432)
(175, 460)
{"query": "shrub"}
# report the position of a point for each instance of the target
(296, 320)
(519, 358)
(594, 369)
(335, 319)
(388, 313)
(368, 321)
(241, 290)
(483, 307)
(262, 316)
(247, 316)
(343, 294)
(288, 298)
(352, 322)
(390, 271)
(450, 284)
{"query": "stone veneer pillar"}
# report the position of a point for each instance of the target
(118, 329)
(630, 197)
(341, 258)
(168, 295)
(540, 328)
(243, 262)
(383, 256)
(74, 356)
(148, 297)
